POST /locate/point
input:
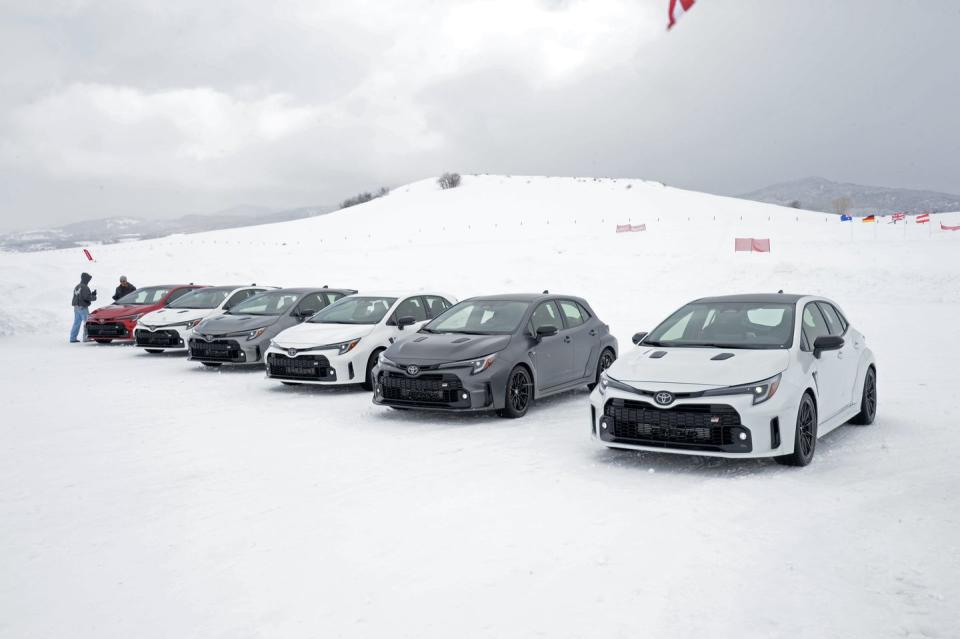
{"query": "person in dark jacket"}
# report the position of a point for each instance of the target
(82, 297)
(124, 288)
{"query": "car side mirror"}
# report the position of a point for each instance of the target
(546, 331)
(305, 314)
(638, 337)
(405, 321)
(826, 343)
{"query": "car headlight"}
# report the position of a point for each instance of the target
(476, 366)
(383, 360)
(192, 324)
(345, 347)
(254, 334)
(131, 318)
(607, 382)
(760, 391)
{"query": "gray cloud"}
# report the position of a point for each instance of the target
(159, 109)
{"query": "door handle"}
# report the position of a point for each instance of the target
(593, 332)
(839, 354)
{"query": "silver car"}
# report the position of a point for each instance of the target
(242, 334)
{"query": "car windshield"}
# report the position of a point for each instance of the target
(201, 298)
(145, 295)
(354, 310)
(480, 317)
(759, 325)
(271, 303)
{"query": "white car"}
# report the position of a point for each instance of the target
(341, 343)
(739, 376)
(171, 327)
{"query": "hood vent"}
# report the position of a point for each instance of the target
(460, 340)
(421, 338)
(721, 357)
(657, 354)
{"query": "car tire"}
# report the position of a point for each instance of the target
(868, 401)
(212, 364)
(102, 341)
(804, 435)
(519, 394)
(367, 383)
(607, 357)
(154, 350)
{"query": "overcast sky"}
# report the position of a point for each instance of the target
(161, 108)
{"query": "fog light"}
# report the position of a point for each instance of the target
(743, 436)
(463, 395)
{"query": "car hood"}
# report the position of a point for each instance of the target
(427, 348)
(167, 316)
(696, 366)
(307, 334)
(224, 324)
(115, 310)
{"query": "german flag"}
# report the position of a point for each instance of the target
(870, 218)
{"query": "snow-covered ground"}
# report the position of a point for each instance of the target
(143, 496)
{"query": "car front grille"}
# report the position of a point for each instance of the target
(425, 389)
(308, 367)
(160, 339)
(109, 329)
(220, 350)
(692, 426)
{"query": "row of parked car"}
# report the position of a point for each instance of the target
(734, 376)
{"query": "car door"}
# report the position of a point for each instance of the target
(828, 370)
(580, 336)
(552, 356)
(848, 356)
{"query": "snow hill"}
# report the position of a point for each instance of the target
(148, 497)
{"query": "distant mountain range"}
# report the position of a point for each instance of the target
(819, 194)
(111, 230)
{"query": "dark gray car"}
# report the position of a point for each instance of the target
(496, 353)
(242, 334)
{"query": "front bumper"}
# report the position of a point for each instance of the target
(312, 366)
(722, 426)
(110, 329)
(162, 337)
(225, 350)
(432, 388)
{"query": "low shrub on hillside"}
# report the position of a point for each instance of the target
(366, 196)
(449, 181)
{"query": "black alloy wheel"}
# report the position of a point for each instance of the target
(606, 360)
(519, 393)
(868, 402)
(805, 435)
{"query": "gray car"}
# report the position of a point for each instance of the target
(496, 353)
(242, 334)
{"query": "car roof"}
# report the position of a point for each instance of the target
(399, 294)
(754, 298)
(525, 297)
(314, 289)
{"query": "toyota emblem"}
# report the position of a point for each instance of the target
(292, 352)
(663, 398)
(413, 370)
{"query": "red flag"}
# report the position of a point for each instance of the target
(87, 253)
(923, 218)
(944, 227)
(631, 228)
(899, 216)
(677, 9)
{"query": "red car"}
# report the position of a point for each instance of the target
(118, 321)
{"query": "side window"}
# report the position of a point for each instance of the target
(436, 305)
(545, 315)
(239, 296)
(180, 292)
(571, 312)
(332, 297)
(833, 320)
(584, 312)
(814, 325)
(411, 307)
(311, 303)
